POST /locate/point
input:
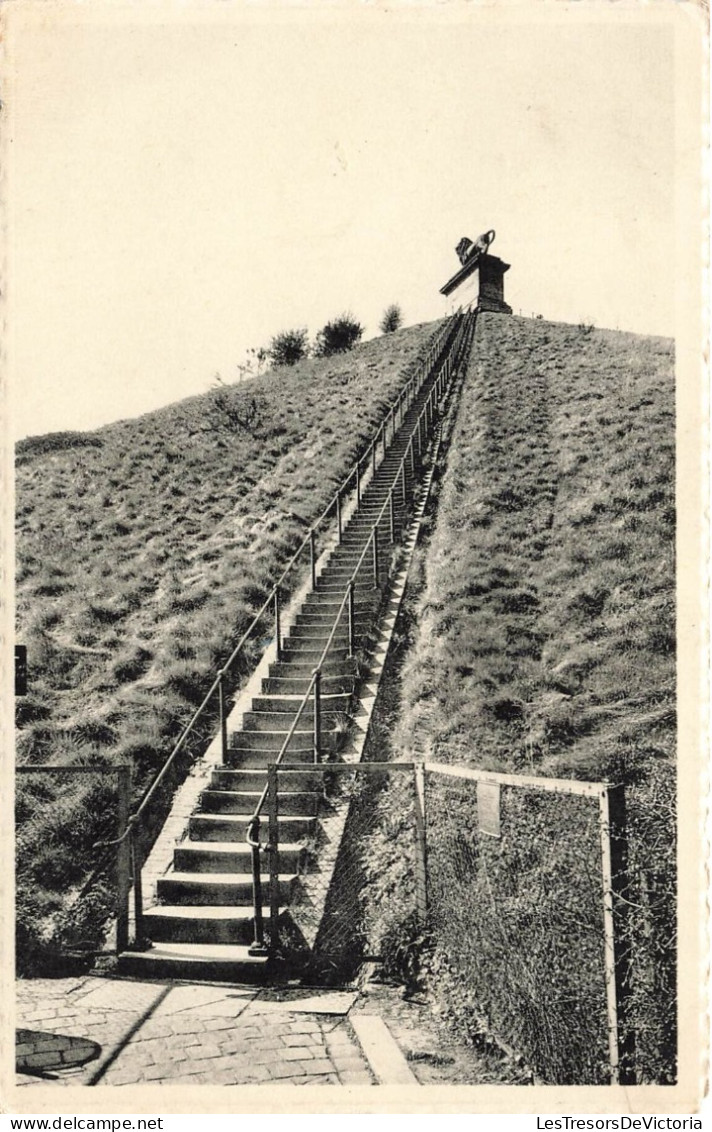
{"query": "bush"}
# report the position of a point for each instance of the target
(392, 319)
(288, 348)
(337, 336)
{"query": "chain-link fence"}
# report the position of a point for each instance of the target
(343, 903)
(68, 895)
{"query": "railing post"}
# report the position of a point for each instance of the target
(373, 456)
(123, 860)
(352, 618)
(338, 514)
(375, 557)
(258, 943)
(403, 486)
(412, 456)
(317, 715)
(358, 481)
(274, 894)
(312, 553)
(223, 714)
(392, 517)
(277, 623)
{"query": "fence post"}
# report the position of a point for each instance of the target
(223, 714)
(273, 811)
(312, 553)
(123, 860)
(421, 847)
(317, 715)
(614, 863)
(136, 865)
(277, 623)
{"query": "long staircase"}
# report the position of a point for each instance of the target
(212, 913)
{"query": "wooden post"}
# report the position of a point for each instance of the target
(421, 847)
(614, 866)
(123, 859)
(274, 894)
(136, 865)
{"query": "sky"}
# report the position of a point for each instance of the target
(187, 180)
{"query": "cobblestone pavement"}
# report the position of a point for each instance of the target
(178, 1033)
(152, 1033)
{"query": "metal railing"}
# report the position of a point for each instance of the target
(440, 346)
(418, 437)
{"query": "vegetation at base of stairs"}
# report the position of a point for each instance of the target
(142, 556)
(546, 646)
(392, 319)
(337, 336)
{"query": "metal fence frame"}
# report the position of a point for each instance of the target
(123, 853)
(613, 846)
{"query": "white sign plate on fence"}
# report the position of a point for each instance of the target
(488, 808)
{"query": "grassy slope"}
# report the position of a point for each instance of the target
(547, 625)
(143, 552)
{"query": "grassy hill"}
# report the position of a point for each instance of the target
(545, 638)
(143, 551)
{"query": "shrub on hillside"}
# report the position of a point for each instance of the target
(392, 319)
(337, 336)
(288, 348)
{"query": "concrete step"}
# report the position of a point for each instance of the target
(251, 780)
(195, 963)
(296, 669)
(177, 923)
(223, 889)
(231, 857)
(297, 685)
(321, 631)
(280, 720)
(327, 617)
(243, 802)
(260, 743)
(233, 827)
(290, 704)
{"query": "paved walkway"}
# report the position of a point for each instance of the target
(185, 1034)
(106, 1031)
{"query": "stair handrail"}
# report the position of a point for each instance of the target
(252, 836)
(451, 329)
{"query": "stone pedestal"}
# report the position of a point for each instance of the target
(479, 283)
